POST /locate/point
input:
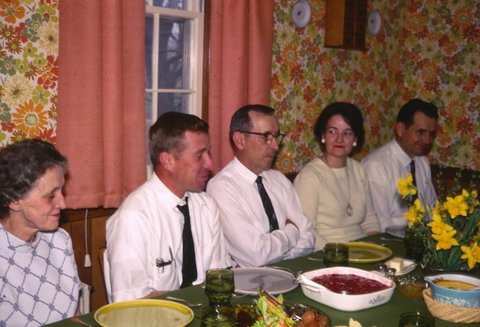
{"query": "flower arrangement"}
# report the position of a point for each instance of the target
(450, 230)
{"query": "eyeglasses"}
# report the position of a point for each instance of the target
(268, 137)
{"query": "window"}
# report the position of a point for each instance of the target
(173, 57)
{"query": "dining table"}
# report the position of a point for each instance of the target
(385, 315)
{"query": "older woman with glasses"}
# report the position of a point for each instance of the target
(333, 188)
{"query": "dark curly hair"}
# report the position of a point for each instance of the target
(352, 116)
(21, 165)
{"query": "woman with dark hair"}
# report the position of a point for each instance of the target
(333, 188)
(40, 283)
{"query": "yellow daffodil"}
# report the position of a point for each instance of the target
(411, 216)
(456, 206)
(446, 239)
(436, 211)
(436, 225)
(444, 225)
(471, 254)
(405, 186)
(415, 213)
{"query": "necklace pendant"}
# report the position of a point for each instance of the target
(349, 210)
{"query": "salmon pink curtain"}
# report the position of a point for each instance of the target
(101, 111)
(241, 34)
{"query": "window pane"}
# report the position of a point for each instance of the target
(148, 50)
(148, 108)
(173, 53)
(176, 4)
(172, 102)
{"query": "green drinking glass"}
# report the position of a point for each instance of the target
(416, 319)
(219, 286)
(336, 254)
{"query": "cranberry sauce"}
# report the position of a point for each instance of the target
(348, 283)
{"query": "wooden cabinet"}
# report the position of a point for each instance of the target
(346, 22)
(73, 221)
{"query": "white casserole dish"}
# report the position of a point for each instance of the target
(345, 302)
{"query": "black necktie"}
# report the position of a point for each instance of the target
(189, 267)
(267, 204)
(414, 181)
(412, 171)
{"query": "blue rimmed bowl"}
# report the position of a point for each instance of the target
(451, 295)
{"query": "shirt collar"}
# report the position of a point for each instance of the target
(244, 172)
(167, 196)
(401, 155)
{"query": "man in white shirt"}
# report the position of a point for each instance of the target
(152, 245)
(260, 228)
(415, 131)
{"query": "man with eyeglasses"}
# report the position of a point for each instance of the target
(262, 219)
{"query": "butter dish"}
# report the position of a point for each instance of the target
(402, 266)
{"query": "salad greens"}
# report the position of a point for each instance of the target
(271, 312)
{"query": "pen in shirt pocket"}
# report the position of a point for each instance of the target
(161, 263)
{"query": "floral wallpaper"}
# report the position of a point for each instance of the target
(428, 49)
(28, 70)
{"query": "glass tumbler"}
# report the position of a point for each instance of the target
(336, 254)
(219, 287)
(416, 319)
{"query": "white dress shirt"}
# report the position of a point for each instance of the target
(245, 223)
(384, 167)
(147, 229)
(325, 192)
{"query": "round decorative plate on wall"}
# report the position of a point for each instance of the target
(301, 13)
(374, 22)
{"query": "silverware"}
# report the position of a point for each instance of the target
(78, 321)
(188, 304)
(282, 268)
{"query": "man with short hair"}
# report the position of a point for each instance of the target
(415, 131)
(167, 233)
(262, 218)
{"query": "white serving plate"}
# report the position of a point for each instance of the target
(274, 281)
(346, 302)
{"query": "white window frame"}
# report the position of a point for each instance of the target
(193, 12)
